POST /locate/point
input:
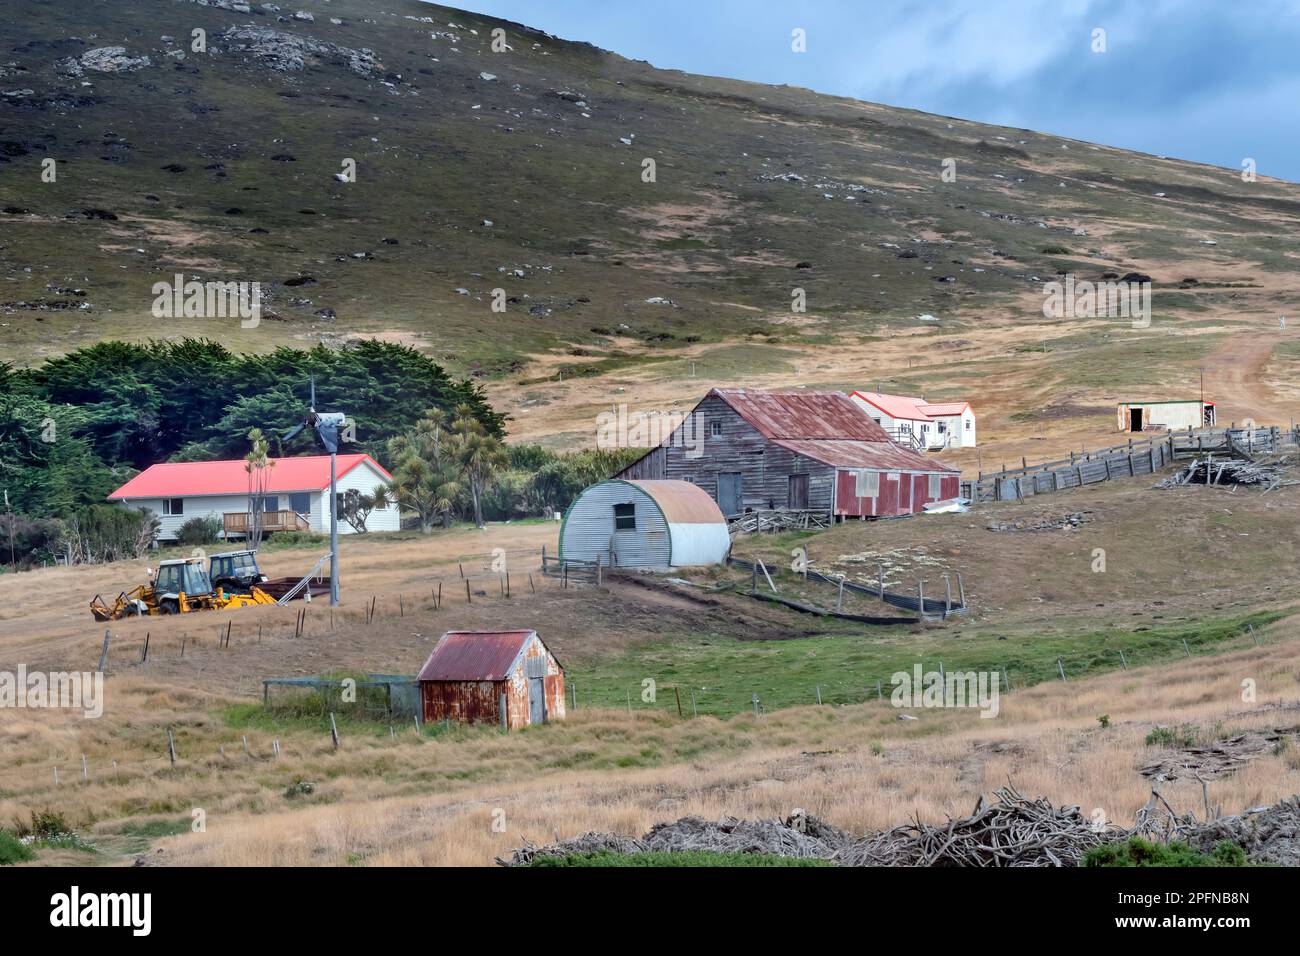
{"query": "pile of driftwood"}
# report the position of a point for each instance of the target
(1220, 759)
(1011, 830)
(1270, 472)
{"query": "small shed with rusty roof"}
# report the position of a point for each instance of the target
(504, 677)
(646, 524)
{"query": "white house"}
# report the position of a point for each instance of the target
(914, 421)
(296, 495)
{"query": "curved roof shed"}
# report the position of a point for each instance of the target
(644, 524)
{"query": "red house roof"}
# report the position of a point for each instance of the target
(911, 408)
(803, 415)
(474, 655)
(183, 479)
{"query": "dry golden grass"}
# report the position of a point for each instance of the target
(417, 801)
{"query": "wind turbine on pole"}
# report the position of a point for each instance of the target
(331, 428)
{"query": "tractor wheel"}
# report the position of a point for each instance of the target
(169, 607)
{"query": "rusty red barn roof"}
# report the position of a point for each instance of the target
(474, 655)
(875, 455)
(803, 416)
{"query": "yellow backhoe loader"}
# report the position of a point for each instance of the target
(180, 586)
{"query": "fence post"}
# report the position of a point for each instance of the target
(961, 591)
(334, 731)
(920, 599)
(103, 654)
(1122, 659)
(171, 746)
(505, 720)
(947, 596)
(1061, 668)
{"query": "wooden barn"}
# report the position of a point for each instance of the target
(652, 525)
(814, 451)
(503, 677)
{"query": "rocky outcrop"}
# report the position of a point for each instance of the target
(288, 53)
(104, 59)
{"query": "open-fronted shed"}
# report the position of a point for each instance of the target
(504, 677)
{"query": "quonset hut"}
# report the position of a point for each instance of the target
(652, 525)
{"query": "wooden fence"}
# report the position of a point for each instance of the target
(1137, 457)
(951, 602)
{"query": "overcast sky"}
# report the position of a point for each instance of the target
(1214, 81)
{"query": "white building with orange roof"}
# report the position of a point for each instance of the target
(911, 420)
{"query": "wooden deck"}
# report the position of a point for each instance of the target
(238, 522)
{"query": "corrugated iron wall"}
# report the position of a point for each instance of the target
(589, 528)
(474, 702)
(908, 494)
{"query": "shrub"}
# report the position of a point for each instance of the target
(14, 850)
(198, 531)
(102, 533)
(1181, 736)
(1136, 851)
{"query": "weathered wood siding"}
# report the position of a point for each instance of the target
(765, 468)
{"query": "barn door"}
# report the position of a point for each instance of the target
(798, 495)
(730, 494)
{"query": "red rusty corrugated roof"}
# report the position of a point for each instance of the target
(474, 655)
(877, 455)
(681, 501)
(181, 479)
(803, 415)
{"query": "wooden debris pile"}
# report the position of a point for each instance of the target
(799, 835)
(1012, 830)
(1221, 759)
(776, 521)
(1269, 835)
(1272, 472)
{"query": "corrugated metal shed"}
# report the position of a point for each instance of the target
(803, 415)
(644, 524)
(472, 675)
(474, 655)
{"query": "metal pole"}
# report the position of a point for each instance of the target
(334, 530)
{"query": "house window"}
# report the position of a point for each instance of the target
(934, 486)
(271, 503)
(715, 429)
(173, 506)
(868, 484)
(301, 503)
(625, 517)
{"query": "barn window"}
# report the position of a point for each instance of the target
(934, 486)
(868, 484)
(625, 517)
(173, 506)
(715, 429)
(968, 424)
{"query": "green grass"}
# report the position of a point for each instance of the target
(693, 858)
(1181, 736)
(725, 674)
(13, 850)
(1136, 851)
